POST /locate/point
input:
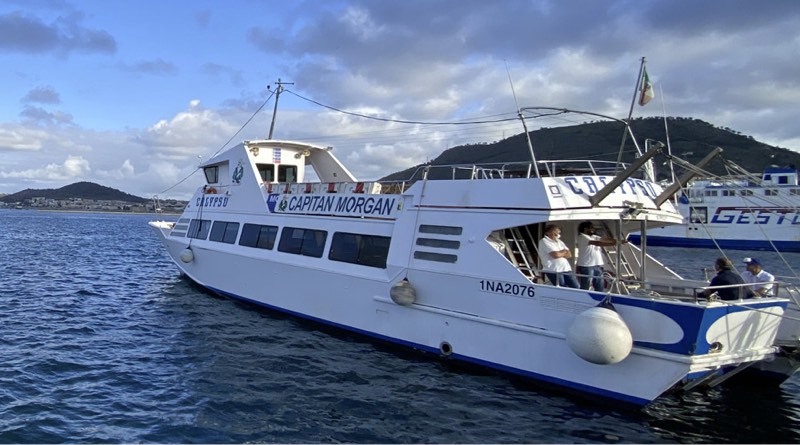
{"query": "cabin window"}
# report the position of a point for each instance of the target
(729, 193)
(794, 192)
(443, 243)
(433, 256)
(783, 179)
(212, 174)
(266, 172)
(306, 242)
(711, 193)
(440, 230)
(698, 215)
(198, 228)
(258, 236)
(746, 192)
(366, 250)
(287, 173)
(224, 232)
(771, 192)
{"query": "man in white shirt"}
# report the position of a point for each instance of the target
(761, 279)
(554, 255)
(590, 256)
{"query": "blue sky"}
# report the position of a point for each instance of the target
(130, 94)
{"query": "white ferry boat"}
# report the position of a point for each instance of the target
(737, 212)
(448, 264)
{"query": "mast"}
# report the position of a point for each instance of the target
(275, 109)
(524, 125)
(630, 114)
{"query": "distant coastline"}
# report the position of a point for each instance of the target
(89, 197)
(173, 212)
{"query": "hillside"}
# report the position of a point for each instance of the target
(83, 190)
(690, 139)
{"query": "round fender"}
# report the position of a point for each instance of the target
(599, 335)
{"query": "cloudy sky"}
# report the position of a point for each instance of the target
(131, 94)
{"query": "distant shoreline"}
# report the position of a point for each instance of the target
(115, 212)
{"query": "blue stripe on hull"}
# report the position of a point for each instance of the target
(636, 401)
(732, 244)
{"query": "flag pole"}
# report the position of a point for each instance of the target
(630, 114)
(636, 90)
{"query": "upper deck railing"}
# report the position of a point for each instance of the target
(505, 170)
(484, 171)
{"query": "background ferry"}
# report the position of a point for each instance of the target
(736, 212)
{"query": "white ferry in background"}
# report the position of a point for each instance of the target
(737, 212)
(447, 264)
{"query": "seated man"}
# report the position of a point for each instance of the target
(725, 276)
(761, 279)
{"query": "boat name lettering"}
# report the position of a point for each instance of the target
(592, 184)
(729, 215)
(212, 201)
(329, 204)
(502, 287)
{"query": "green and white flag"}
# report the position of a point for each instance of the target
(646, 93)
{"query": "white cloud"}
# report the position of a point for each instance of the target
(188, 134)
(73, 168)
(17, 138)
(125, 171)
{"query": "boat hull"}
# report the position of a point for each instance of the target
(722, 243)
(501, 342)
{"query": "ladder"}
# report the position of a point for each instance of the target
(626, 270)
(517, 241)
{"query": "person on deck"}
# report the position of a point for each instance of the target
(760, 278)
(725, 277)
(554, 255)
(590, 256)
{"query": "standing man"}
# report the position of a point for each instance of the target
(554, 255)
(761, 279)
(590, 256)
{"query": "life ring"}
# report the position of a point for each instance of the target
(211, 191)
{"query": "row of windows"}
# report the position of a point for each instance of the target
(286, 173)
(366, 250)
(745, 192)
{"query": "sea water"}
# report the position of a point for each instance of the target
(102, 341)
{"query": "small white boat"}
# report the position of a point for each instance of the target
(737, 212)
(448, 264)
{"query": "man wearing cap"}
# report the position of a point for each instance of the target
(760, 278)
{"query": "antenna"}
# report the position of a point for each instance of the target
(278, 92)
(524, 126)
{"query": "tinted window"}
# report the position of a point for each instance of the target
(366, 250)
(441, 230)
(212, 174)
(302, 241)
(266, 172)
(287, 173)
(256, 235)
(198, 228)
(224, 231)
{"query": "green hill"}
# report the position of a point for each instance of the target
(83, 190)
(690, 139)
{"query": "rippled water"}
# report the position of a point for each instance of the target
(102, 341)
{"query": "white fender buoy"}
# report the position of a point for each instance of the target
(187, 256)
(599, 335)
(403, 293)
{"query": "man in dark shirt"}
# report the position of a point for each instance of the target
(725, 276)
